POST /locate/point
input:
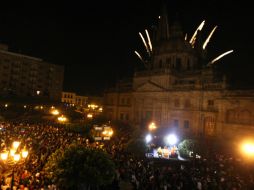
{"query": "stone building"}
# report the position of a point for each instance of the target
(181, 90)
(73, 99)
(26, 76)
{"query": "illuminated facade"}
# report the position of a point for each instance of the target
(180, 90)
(27, 76)
(74, 99)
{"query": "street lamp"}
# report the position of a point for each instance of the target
(62, 119)
(152, 126)
(54, 112)
(13, 156)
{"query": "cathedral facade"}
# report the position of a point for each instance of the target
(180, 89)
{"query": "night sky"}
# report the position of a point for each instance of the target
(95, 40)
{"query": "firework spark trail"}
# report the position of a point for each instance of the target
(220, 56)
(139, 56)
(209, 37)
(149, 41)
(193, 38)
(141, 36)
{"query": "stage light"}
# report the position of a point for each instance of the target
(171, 139)
(148, 138)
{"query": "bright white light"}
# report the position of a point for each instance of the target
(171, 139)
(220, 56)
(148, 138)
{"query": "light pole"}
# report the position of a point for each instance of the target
(13, 156)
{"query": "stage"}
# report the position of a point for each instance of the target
(165, 153)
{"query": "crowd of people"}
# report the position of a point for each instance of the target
(41, 140)
(216, 172)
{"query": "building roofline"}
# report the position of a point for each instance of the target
(21, 55)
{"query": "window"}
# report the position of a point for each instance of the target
(178, 61)
(128, 101)
(122, 101)
(176, 124)
(245, 117)
(121, 116)
(231, 116)
(127, 117)
(188, 64)
(160, 63)
(177, 102)
(187, 103)
(209, 125)
(210, 102)
(178, 64)
(186, 124)
(168, 61)
(148, 115)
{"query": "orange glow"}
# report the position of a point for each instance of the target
(108, 132)
(90, 116)
(62, 119)
(4, 155)
(55, 112)
(248, 148)
(152, 126)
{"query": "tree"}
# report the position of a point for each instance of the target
(136, 147)
(78, 167)
(187, 146)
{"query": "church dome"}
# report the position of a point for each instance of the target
(175, 43)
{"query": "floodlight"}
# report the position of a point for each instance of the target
(171, 139)
(148, 138)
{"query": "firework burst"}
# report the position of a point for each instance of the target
(148, 47)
